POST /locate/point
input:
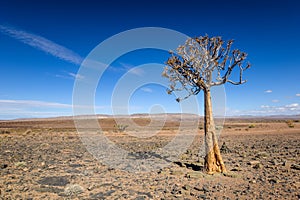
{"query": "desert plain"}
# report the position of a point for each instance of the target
(46, 159)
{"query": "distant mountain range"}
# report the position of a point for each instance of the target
(173, 116)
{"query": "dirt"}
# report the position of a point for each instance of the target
(45, 159)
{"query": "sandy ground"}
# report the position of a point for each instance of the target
(46, 159)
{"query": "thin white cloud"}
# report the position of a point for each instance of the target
(268, 91)
(30, 103)
(265, 106)
(12, 109)
(265, 110)
(70, 75)
(293, 105)
(39, 104)
(42, 44)
(131, 69)
(298, 95)
(146, 89)
(76, 76)
(137, 71)
(275, 100)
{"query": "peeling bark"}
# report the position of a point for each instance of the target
(213, 161)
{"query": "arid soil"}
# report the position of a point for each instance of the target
(45, 159)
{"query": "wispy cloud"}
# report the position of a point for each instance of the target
(40, 104)
(70, 75)
(76, 76)
(30, 103)
(268, 91)
(137, 71)
(12, 109)
(275, 100)
(42, 44)
(298, 95)
(131, 69)
(266, 110)
(146, 89)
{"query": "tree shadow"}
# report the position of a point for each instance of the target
(193, 166)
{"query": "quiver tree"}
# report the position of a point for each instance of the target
(200, 64)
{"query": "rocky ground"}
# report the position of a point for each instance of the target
(47, 160)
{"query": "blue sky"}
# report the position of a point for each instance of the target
(42, 44)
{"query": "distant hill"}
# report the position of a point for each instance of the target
(172, 116)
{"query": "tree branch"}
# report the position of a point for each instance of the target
(199, 59)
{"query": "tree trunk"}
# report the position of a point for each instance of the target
(213, 160)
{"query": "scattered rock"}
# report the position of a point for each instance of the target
(140, 198)
(75, 165)
(236, 169)
(262, 154)
(195, 174)
(186, 187)
(287, 164)
(97, 196)
(258, 166)
(54, 181)
(202, 196)
(274, 162)
(273, 180)
(3, 166)
(103, 195)
(176, 172)
(295, 166)
(230, 174)
(253, 162)
(205, 188)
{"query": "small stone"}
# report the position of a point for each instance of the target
(195, 174)
(90, 188)
(230, 174)
(295, 166)
(205, 188)
(262, 154)
(236, 169)
(197, 188)
(273, 180)
(3, 166)
(274, 162)
(186, 187)
(258, 166)
(99, 195)
(178, 172)
(287, 164)
(202, 196)
(253, 162)
(140, 198)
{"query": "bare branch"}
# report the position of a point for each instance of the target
(203, 62)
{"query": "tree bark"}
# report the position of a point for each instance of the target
(213, 161)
